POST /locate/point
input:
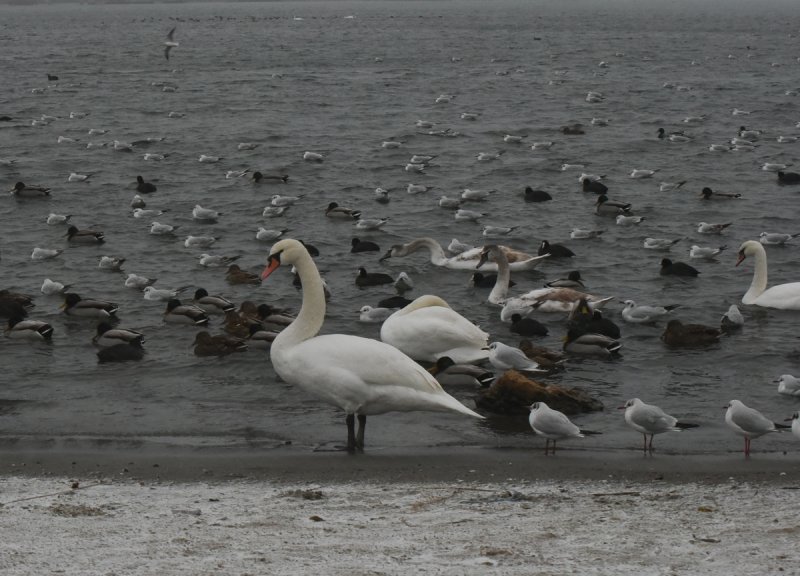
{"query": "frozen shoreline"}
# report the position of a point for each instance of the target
(246, 526)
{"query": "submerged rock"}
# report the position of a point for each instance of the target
(513, 393)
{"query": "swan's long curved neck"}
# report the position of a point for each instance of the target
(309, 320)
(499, 292)
(437, 252)
(759, 283)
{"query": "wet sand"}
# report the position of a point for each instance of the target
(432, 465)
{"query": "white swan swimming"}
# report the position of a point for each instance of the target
(359, 375)
(466, 260)
(782, 296)
(541, 299)
(428, 329)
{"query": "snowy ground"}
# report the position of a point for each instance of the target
(240, 527)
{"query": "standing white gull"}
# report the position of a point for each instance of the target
(749, 422)
(652, 420)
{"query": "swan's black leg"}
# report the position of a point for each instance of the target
(362, 423)
(350, 419)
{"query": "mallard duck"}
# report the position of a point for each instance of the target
(212, 304)
(606, 207)
(74, 305)
(588, 321)
(680, 335)
(335, 211)
(590, 344)
(18, 327)
(21, 190)
(178, 313)
(221, 345)
(76, 236)
(24, 300)
(238, 325)
(448, 373)
(107, 335)
(260, 338)
(573, 280)
(236, 275)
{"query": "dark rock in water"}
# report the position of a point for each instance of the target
(120, 353)
(513, 393)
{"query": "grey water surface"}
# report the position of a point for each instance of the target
(339, 78)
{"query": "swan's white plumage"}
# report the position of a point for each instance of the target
(428, 329)
(781, 296)
(540, 299)
(466, 260)
(359, 375)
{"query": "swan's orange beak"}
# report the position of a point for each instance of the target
(272, 265)
(740, 259)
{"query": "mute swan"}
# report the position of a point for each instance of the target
(428, 329)
(782, 296)
(542, 299)
(467, 260)
(359, 375)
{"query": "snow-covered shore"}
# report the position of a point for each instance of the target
(255, 526)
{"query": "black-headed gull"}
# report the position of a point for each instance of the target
(749, 422)
(652, 420)
(553, 425)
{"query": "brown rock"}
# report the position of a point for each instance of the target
(513, 393)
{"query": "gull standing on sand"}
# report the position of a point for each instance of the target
(652, 420)
(170, 43)
(553, 425)
(749, 422)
